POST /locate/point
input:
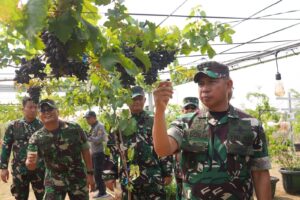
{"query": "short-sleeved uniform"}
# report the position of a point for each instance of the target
(61, 151)
(148, 185)
(15, 140)
(218, 155)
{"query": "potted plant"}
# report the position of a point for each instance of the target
(289, 162)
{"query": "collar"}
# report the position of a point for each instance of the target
(138, 115)
(231, 114)
(95, 124)
(32, 122)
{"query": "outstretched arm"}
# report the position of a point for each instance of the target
(164, 145)
(262, 184)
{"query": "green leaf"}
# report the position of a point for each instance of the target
(36, 16)
(130, 153)
(109, 60)
(185, 49)
(63, 26)
(210, 51)
(139, 54)
(90, 12)
(129, 126)
(9, 11)
(102, 2)
(95, 37)
(128, 65)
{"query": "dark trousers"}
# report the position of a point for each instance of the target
(21, 183)
(179, 186)
(98, 163)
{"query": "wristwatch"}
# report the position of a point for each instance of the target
(90, 172)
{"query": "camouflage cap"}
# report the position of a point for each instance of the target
(211, 69)
(137, 91)
(190, 101)
(48, 102)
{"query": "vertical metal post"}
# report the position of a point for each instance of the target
(150, 102)
(290, 120)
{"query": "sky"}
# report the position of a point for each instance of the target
(260, 77)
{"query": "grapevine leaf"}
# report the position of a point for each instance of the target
(63, 26)
(94, 34)
(185, 49)
(139, 54)
(128, 127)
(109, 60)
(9, 11)
(36, 17)
(90, 12)
(210, 51)
(134, 171)
(128, 65)
(130, 153)
(102, 2)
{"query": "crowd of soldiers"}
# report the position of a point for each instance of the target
(216, 152)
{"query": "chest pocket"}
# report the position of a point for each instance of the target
(46, 146)
(240, 138)
(196, 138)
(19, 132)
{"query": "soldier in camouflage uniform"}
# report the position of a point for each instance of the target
(154, 172)
(224, 150)
(16, 141)
(62, 145)
(190, 105)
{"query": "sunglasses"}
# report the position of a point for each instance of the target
(190, 107)
(44, 110)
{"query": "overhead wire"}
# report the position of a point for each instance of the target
(269, 6)
(212, 17)
(255, 42)
(262, 54)
(265, 16)
(178, 7)
(265, 35)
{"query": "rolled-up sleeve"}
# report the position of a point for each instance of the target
(260, 160)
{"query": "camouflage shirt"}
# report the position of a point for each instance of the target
(16, 139)
(218, 155)
(151, 168)
(61, 151)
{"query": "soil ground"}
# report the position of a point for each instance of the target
(280, 194)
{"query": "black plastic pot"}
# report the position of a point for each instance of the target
(274, 180)
(297, 146)
(291, 180)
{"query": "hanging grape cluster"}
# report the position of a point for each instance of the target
(159, 61)
(126, 79)
(32, 68)
(61, 65)
(35, 93)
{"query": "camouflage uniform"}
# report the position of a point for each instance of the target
(16, 140)
(187, 101)
(61, 151)
(149, 184)
(218, 155)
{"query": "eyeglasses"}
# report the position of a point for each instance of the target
(44, 110)
(190, 107)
